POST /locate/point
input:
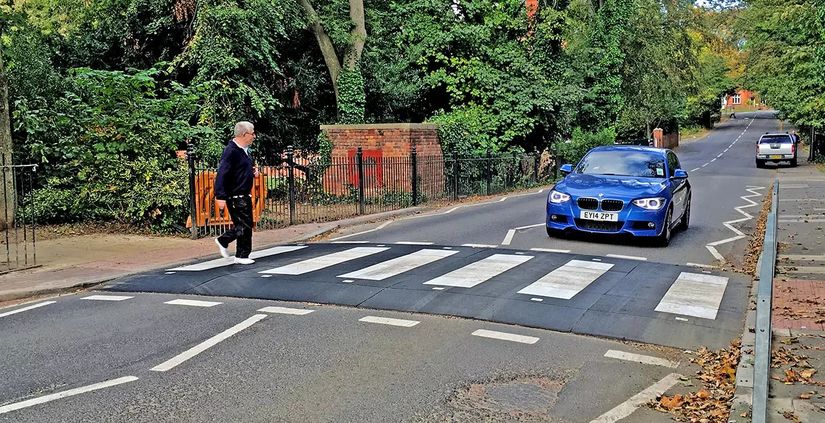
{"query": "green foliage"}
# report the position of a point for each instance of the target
(581, 142)
(465, 131)
(109, 142)
(482, 59)
(351, 97)
(785, 43)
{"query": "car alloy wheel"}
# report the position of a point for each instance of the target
(664, 238)
(685, 222)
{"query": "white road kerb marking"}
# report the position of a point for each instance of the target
(205, 345)
(378, 228)
(638, 358)
(31, 307)
(628, 407)
(729, 224)
(389, 321)
(193, 303)
(65, 394)
(504, 336)
(509, 237)
(479, 245)
(107, 298)
(550, 250)
(286, 310)
(627, 257)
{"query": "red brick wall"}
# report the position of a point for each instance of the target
(745, 97)
(395, 142)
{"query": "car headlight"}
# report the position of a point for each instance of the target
(556, 197)
(650, 203)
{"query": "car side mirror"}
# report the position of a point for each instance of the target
(680, 174)
(566, 169)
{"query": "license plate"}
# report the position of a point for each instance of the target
(776, 156)
(600, 216)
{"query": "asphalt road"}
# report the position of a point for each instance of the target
(721, 171)
(223, 356)
(325, 366)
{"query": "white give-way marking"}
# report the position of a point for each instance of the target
(205, 345)
(65, 394)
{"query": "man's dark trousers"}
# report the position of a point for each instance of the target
(240, 209)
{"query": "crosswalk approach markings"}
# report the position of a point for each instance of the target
(479, 271)
(399, 265)
(322, 262)
(568, 280)
(221, 262)
(694, 294)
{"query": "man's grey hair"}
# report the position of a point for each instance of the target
(243, 127)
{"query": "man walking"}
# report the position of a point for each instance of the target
(233, 188)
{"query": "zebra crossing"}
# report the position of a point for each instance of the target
(607, 296)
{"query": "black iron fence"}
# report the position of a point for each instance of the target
(306, 190)
(17, 226)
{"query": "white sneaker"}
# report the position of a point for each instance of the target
(239, 260)
(222, 249)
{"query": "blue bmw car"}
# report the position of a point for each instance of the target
(639, 191)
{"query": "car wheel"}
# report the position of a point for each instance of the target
(760, 163)
(685, 221)
(664, 238)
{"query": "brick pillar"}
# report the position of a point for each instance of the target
(658, 138)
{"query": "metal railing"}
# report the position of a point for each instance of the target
(17, 224)
(762, 346)
(299, 190)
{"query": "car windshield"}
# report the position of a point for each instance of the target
(776, 139)
(623, 163)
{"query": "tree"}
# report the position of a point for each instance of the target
(347, 80)
(784, 42)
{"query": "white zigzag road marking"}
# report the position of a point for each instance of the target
(729, 224)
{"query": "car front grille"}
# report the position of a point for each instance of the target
(592, 225)
(586, 203)
(612, 205)
(589, 203)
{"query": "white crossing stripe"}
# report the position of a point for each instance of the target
(65, 394)
(414, 243)
(31, 307)
(694, 294)
(107, 298)
(286, 310)
(399, 265)
(325, 261)
(193, 303)
(389, 321)
(221, 262)
(484, 333)
(568, 280)
(205, 345)
(638, 358)
(480, 271)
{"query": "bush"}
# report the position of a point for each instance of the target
(107, 149)
(581, 142)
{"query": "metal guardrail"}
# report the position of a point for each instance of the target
(762, 349)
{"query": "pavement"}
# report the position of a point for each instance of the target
(72, 263)
(797, 387)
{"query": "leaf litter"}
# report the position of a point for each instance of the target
(712, 402)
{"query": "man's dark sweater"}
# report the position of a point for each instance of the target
(235, 173)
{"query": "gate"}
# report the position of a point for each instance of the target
(17, 225)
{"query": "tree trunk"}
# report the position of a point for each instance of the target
(358, 34)
(325, 43)
(7, 194)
